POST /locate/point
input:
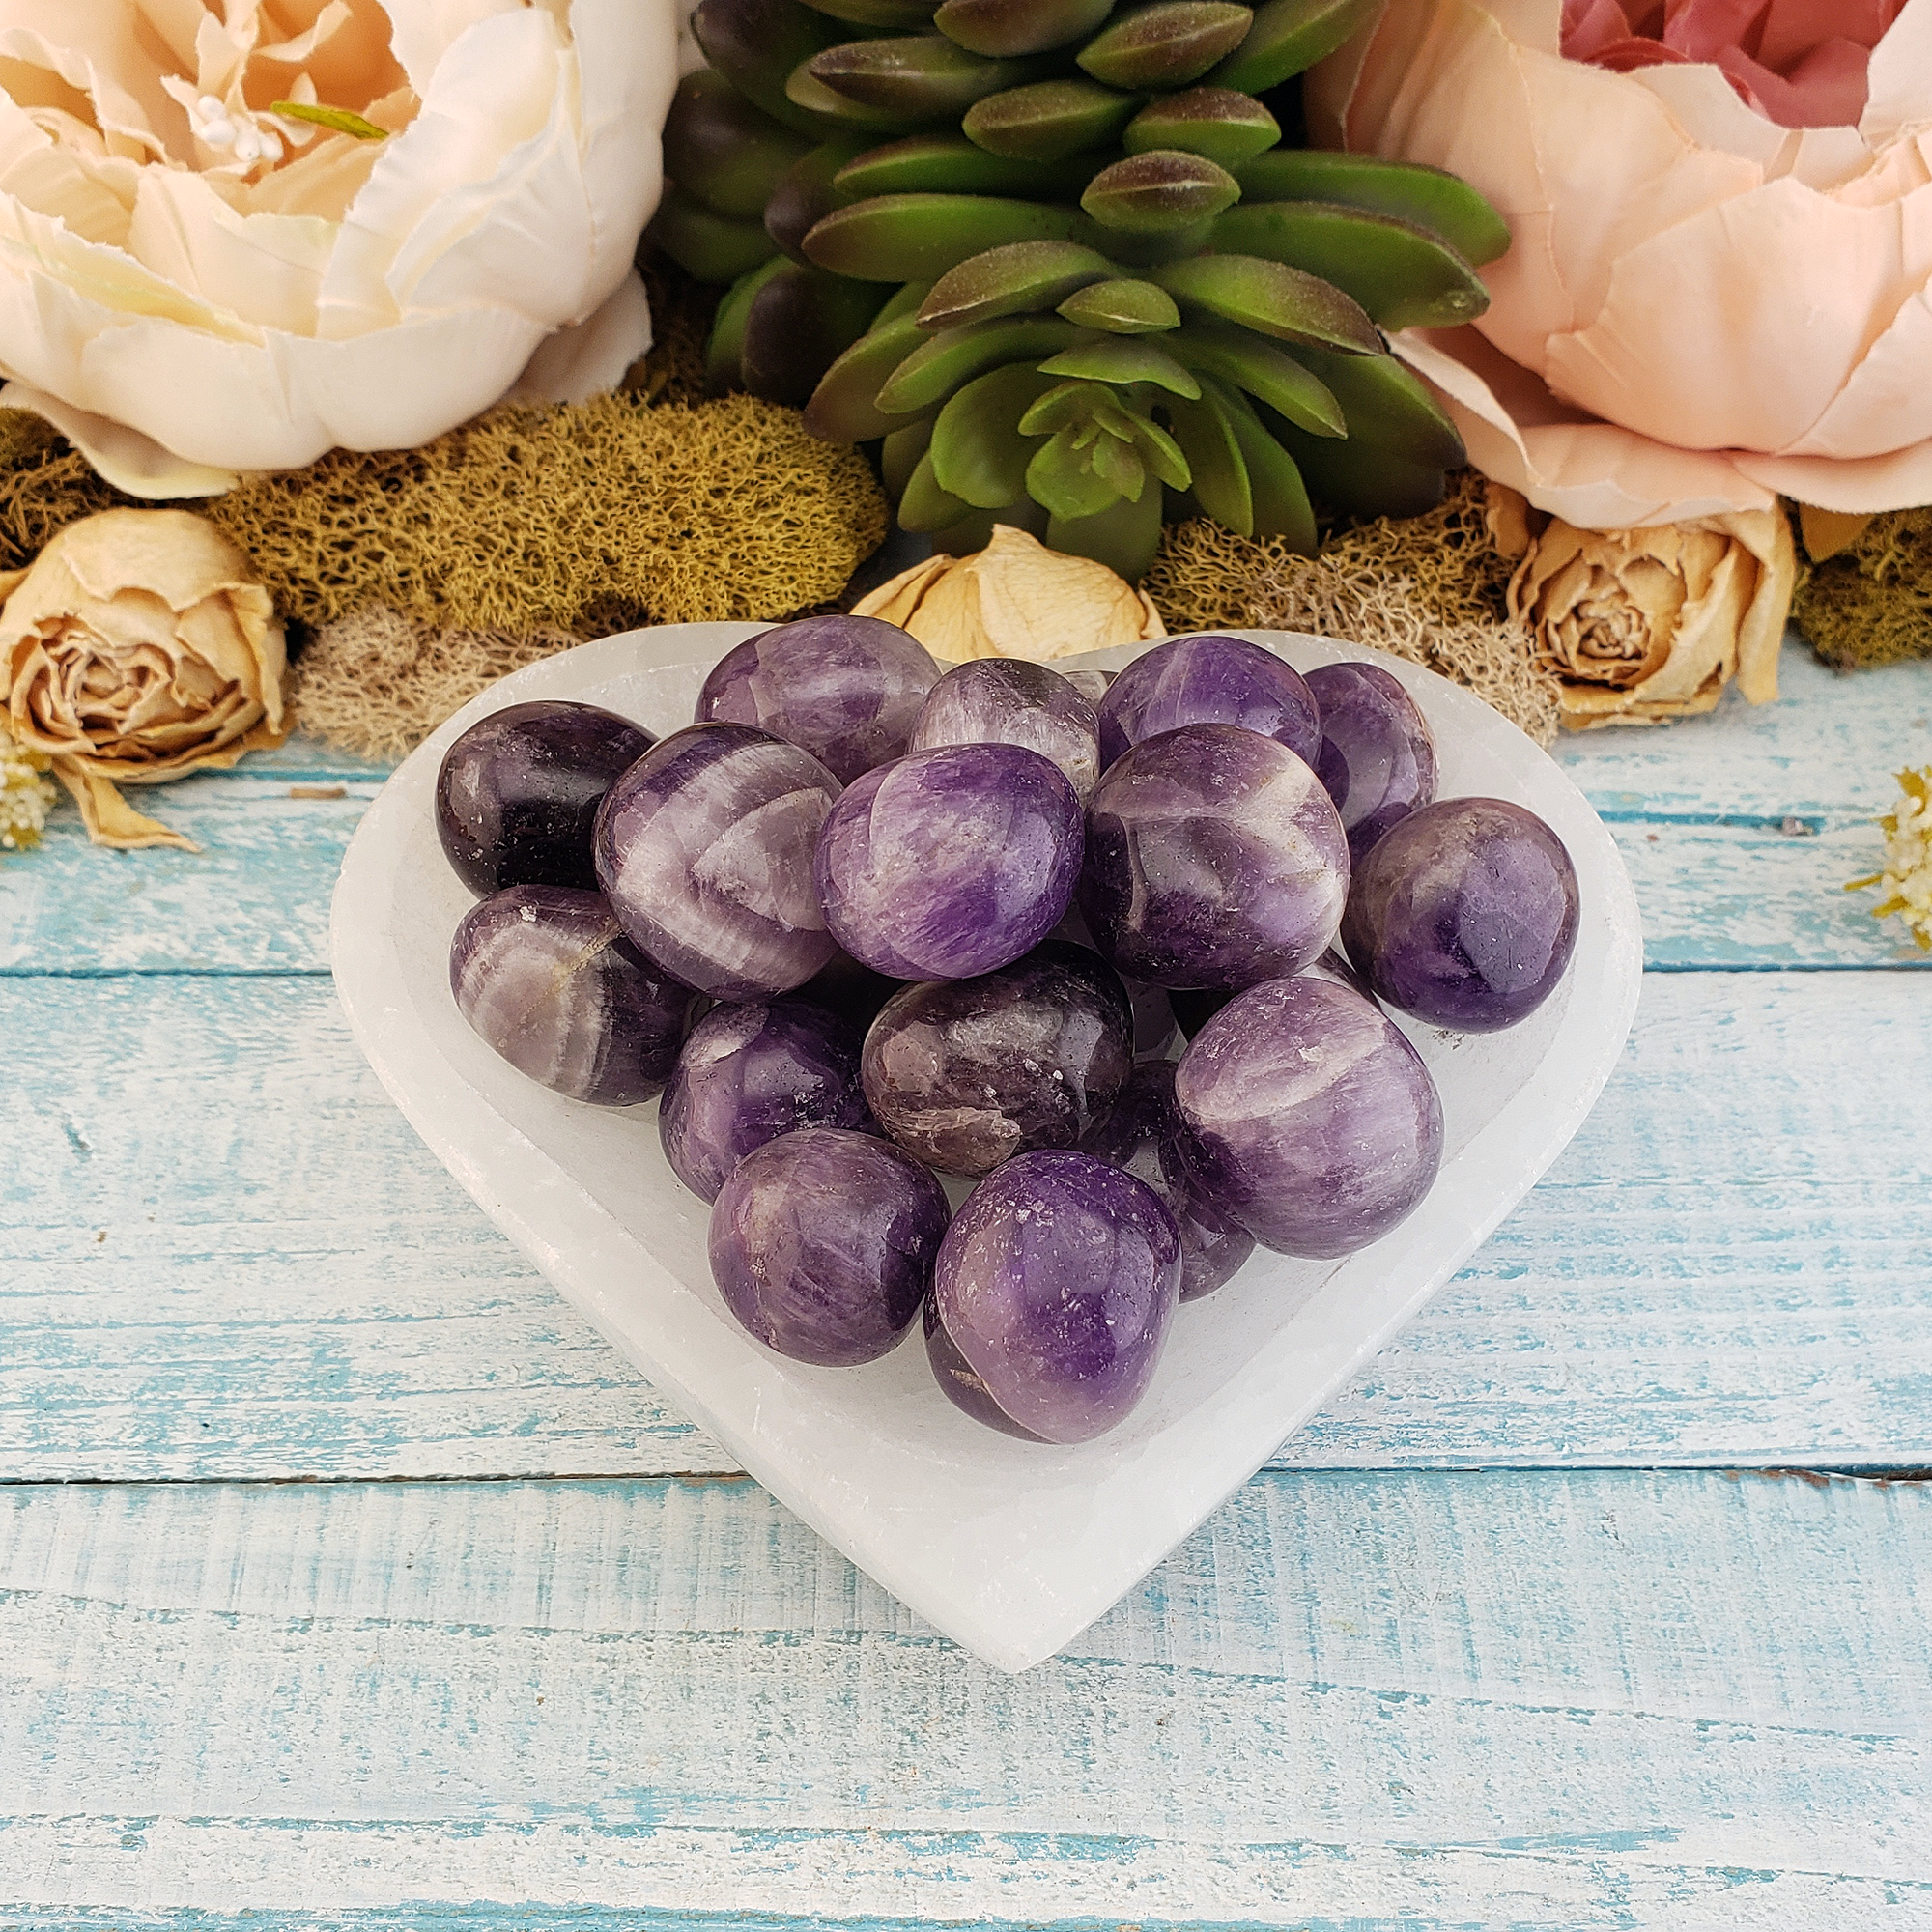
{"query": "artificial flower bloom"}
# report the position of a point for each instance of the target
(1014, 599)
(236, 233)
(1649, 624)
(1701, 309)
(138, 647)
(1801, 63)
(1907, 878)
(24, 795)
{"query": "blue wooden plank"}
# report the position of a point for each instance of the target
(1697, 808)
(224, 1253)
(1578, 1701)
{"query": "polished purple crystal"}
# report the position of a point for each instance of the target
(846, 688)
(517, 795)
(1009, 702)
(749, 1074)
(1308, 1117)
(966, 1073)
(546, 976)
(1056, 1285)
(1464, 914)
(1142, 1134)
(1154, 1022)
(704, 851)
(822, 1244)
(1208, 680)
(950, 862)
(1214, 859)
(1377, 759)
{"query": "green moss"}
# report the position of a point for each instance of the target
(1872, 602)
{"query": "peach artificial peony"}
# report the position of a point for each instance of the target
(1701, 309)
(236, 233)
(1801, 63)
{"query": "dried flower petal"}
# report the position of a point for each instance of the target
(1015, 599)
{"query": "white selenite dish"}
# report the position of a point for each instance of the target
(1010, 1547)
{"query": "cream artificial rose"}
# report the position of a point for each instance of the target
(1651, 624)
(139, 647)
(1701, 310)
(192, 283)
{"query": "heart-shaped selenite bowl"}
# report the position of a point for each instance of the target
(1008, 1546)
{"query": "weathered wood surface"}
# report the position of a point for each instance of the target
(1371, 1695)
(1699, 811)
(1575, 1701)
(224, 1253)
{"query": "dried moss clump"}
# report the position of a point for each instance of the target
(1871, 604)
(375, 684)
(1429, 589)
(586, 519)
(44, 486)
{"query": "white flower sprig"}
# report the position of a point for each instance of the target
(1907, 878)
(24, 795)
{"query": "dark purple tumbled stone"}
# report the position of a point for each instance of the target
(1142, 1134)
(1464, 914)
(950, 862)
(704, 851)
(1055, 1286)
(547, 977)
(517, 795)
(1009, 702)
(966, 1073)
(1214, 859)
(1377, 759)
(1208, 680)
(749, 1074)
(822, 1243)
(846, 688)
(1308, 1117)
(961, 1381)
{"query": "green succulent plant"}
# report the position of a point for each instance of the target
(1055, 257)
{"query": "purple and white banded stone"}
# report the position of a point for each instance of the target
(1214, 859)
(1308, 1117)
(1210, 679)
(848, 689)
(546, 976)
(704, 850)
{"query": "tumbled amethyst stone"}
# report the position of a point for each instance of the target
(1208, 680)
(1214, 859)
(1377, 759)
(1142, 1134)
(749, 1074)
(1464, 914)
(966, 1073)
(704, 851)
(1056, 1284)
(846, 688)
(822, 1243)
(950, 862)
(547, 977)
(517, 795)
(1308, 1117)
(961, 1381)
(1009, 702)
